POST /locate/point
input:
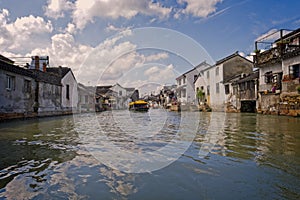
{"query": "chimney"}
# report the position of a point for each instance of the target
(44, 67)
(37, 62)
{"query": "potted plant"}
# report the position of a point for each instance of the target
(298, 89)
(256, 51)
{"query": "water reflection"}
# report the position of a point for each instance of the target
(233, 155)
(29, 152)
(271, 143)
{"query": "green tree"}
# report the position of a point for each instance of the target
(200, 95)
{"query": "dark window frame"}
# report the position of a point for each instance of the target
(208, 90)
(217, 88)
(10, 82)
(294, 71)
(67, 91)
(27, 86)
(227, 89)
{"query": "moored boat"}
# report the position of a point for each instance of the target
(139, 105)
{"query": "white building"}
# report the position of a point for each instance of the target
(121, 96)
(69, 93)
(185, 84)
(279, 80)
(214, 79)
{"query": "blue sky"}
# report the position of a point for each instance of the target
(90, 35)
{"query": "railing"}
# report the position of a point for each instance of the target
(276, 53)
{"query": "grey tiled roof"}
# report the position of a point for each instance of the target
(16, 69)
(55, 70)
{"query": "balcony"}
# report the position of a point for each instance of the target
(275, 54)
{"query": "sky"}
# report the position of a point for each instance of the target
(137, 42)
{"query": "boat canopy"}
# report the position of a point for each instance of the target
(138, 102)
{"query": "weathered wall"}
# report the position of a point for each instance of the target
(49, 101)
(236, 65)
(17, 100)
(268, 103)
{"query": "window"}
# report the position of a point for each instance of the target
(183, 80)
(183, 93)
(68, 92)
(27, 86)
(53, 89)
(268, 77)
(294, 71)
(208, 90)
(235, 90)
(227, 91)
(179, 81)
(44, 90)
(86, 100)
(57, 91)
(217, 71)
(217, 88)
(252, 85)
(207, 74)
(242, 86)
(195, 77)
(10, 82)
(120, 93)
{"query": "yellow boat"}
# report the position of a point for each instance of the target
(139, 105)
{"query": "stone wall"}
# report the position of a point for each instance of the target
(284, 104)
(290, 105)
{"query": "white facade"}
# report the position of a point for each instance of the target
(263, 71)
(122, 96)
(185, 84)
(213, 79)
(69, 92)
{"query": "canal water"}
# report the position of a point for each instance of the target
(152, 155)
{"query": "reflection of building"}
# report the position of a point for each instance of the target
(279, 68)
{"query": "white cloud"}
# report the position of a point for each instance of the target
(55, 8)
(64, 51)
(24, 34)
(198, 8)
(86, 10)
(158, 56)
(70, 28)
(161, 75)
(151, 71)
(111, 27)
(107, 62)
